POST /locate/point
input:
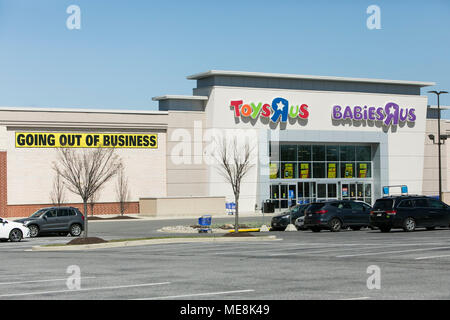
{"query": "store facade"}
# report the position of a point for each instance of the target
(313, 138)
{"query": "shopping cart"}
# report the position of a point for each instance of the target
(204, 223)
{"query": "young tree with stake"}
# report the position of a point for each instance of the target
(234, 164)
(85, 171)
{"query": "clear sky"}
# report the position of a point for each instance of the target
(127, 52)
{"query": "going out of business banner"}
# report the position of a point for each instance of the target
(85, 140)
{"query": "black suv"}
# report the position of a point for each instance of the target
(281, 221)
(61, 220)
(409, 212)
(337, 214)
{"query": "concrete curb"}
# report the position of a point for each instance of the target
(135, 243)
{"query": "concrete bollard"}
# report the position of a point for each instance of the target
(290, 227)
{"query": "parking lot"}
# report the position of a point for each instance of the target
(302, 265)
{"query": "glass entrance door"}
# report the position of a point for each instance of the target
(357, 191)
(283, 195)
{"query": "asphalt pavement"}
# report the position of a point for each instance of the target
(302, 265)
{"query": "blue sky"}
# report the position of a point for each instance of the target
(129, 51)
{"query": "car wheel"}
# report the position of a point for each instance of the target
(409, 225)
(315, 229)
(15, 235)
(355, 228)
(34, 231)
(75, 230)
(335, 225)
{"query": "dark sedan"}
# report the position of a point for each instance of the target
(281, 221)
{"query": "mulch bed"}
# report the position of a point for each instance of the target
(112, 218)
(88, 240)
(239, 234)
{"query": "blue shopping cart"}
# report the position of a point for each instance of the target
(204, 223)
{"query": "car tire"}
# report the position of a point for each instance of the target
(355, 228)
(315, 229)
(335, 225)
(34, 230)
(15, 235)
(75, 230)
(409, 224)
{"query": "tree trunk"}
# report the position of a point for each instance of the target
(85, 219)
(236, 214)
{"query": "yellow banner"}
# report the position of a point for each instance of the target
(332, 170)
(85, 140)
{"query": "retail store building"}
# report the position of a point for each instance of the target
(313, 138)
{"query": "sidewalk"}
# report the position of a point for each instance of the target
(142, 217)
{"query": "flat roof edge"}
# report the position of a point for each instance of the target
(211, 73)
(180, 97)
(80, 110)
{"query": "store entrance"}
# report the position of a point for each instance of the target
(283, 195)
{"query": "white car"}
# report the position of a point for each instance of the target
(300, 223)
(13, 231)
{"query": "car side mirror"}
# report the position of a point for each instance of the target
(44, 217)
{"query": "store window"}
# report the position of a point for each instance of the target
(364, 169)
(304, 170)
(347, 169)
(318, 153)
(332, 153)
(318, 170)
(288, 152)
(274, 170)
(288, 170)
(332, 170)
(304, 153)
(363, 153)
(347, 153)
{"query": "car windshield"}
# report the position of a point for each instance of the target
(383, 204)
(38, 213)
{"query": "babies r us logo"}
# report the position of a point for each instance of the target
(279, 107)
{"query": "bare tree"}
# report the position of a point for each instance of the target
(93, 200)
(85, 171)
(234, 164)
(122, 191)
(58, 194)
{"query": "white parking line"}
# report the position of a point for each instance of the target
(364, 247)
(433, 257)
(197, 294)
(389, 252)
(37, 281)
(359, 298)
(75, 291)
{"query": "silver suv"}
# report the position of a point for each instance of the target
(60, 220)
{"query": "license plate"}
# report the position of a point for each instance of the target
(379, 215)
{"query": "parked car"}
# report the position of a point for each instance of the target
(300, 223)
(61, 220)
(409, 212)
(13, 231)
(337, 214)
(281, 221)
